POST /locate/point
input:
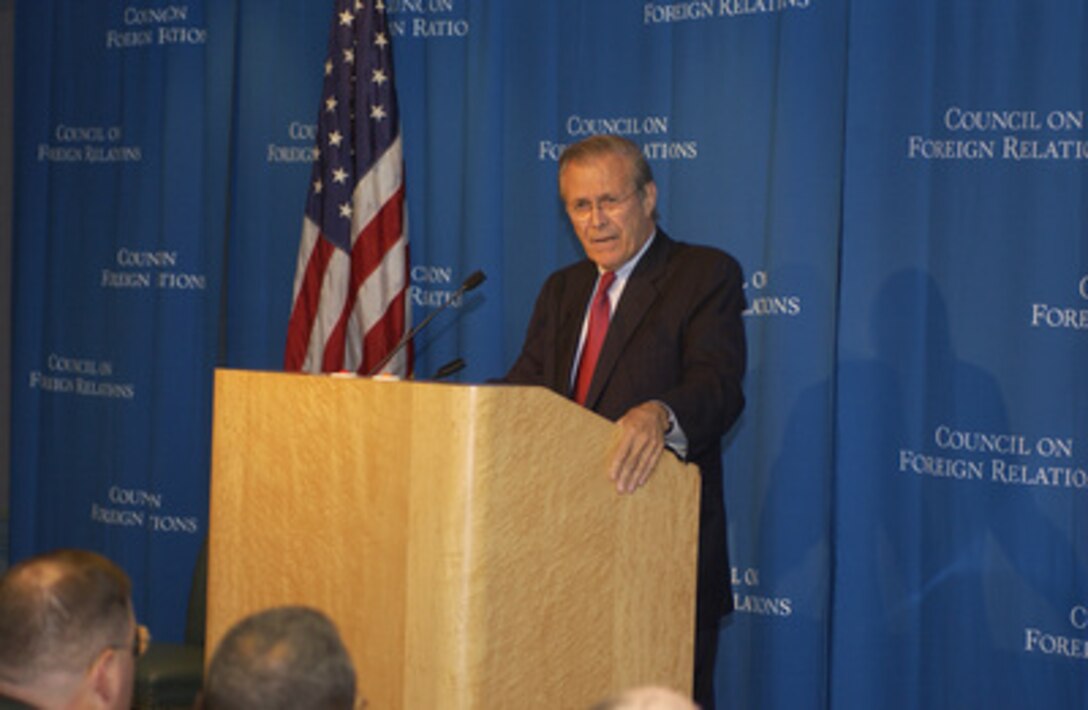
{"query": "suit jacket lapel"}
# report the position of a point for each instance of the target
(639, 295)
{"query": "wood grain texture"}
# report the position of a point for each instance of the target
(465, 539)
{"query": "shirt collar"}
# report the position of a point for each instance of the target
(625, 271)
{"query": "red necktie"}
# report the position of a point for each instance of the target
(599, 313)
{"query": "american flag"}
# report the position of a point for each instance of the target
(349, 306)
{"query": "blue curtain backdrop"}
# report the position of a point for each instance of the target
(903, 183)
(122, 135)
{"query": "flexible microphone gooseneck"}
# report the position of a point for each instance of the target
(474, 279)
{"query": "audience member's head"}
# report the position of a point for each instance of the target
(70, 638)
(286, 657)
(647, 698)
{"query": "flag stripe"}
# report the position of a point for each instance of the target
(308, 289)
(388, 328)
(377, 187)
(383, 291)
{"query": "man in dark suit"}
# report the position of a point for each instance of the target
(645, 331)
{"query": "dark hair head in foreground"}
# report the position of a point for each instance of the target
(282, 658)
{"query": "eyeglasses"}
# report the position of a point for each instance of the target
(141, 640)
(583, 209)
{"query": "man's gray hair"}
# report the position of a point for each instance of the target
(287, 657)
(606, 144)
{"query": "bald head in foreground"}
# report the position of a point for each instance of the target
(68, 635)
(647, 698)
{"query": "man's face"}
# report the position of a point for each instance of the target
(611, 218)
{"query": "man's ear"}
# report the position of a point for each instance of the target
(105, 681)
(649, 197)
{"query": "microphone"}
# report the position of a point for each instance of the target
(450, 368)
(474, 279)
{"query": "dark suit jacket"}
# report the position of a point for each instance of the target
(677, 336)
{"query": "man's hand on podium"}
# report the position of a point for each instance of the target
(642, 440)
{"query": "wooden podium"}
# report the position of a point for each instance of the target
(465, 539)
